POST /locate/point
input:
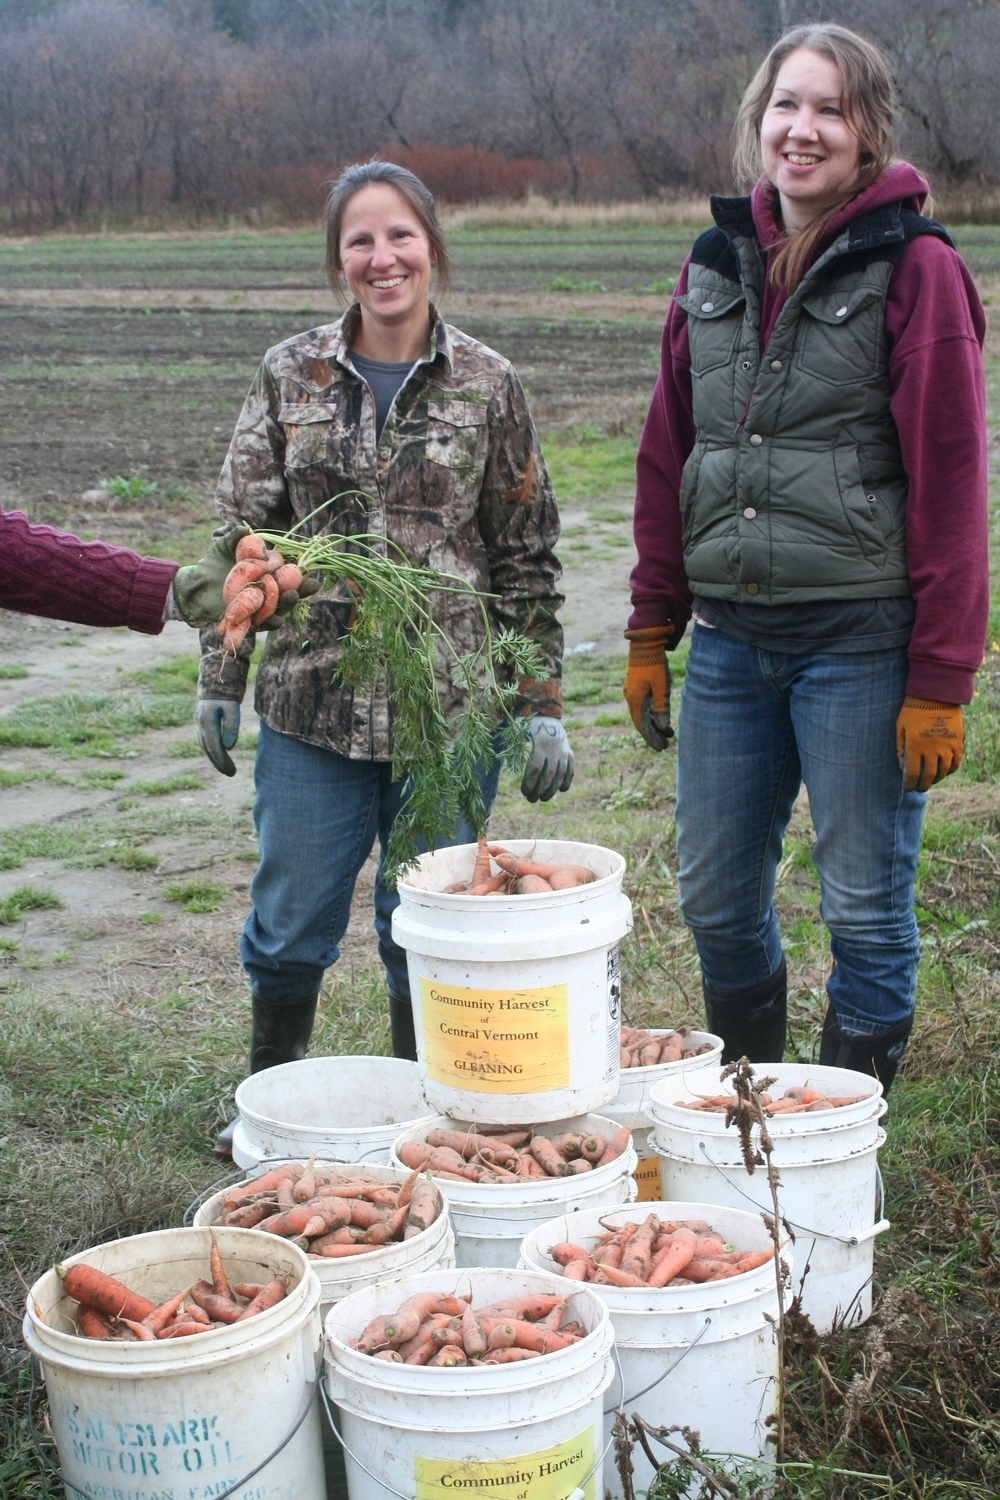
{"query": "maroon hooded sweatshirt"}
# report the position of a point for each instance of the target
(935, 325)
(48, 572)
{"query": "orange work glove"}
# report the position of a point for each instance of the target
(647, 684)
(929, 742)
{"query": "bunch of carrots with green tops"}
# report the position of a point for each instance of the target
(110, 1310)
(516, 875)
(657, 1253)
(482, 1153)
(645, 1049)
(331, 1216)
(254, 588)
(446, 1332)
(796, 1100)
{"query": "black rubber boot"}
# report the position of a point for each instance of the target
(751, 1023)
(879, 1055)
(404, 1040)
(279, 1033)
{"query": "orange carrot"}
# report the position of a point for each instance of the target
(422, 1209)
(220, 1281)
(242, 576)
(160, 1316)
(508, 1356)
(502, 1336)
(372, 1336)
(410, 1314)
(473, 1339)
(305, 1188)
(531, 885)
(288, 575)
(183, 1330)
(618, 1277)
(672, 1262)
(271, 1295)
(547, 1157)
(220, 1309)
(93, 1325)
(638, 1252)
(449, 1357)
(542, 1340)
(271, 594)
(251, 547)
(579, 1270)
(140, 1330)
(103, 1293)
(618, 1143)
(575, 1168)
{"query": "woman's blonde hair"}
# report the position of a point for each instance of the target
(869, 110)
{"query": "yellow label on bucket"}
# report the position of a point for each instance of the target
(647, 1175)
(550, 1474)
(496, 1041)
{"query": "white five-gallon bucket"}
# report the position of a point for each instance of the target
(491, 1219)
(530, 1430)
(827, 1160)
(346, 1109)
(516, 999)
(630, 1106)
(703, 1357)
(189, 1416)
(431, 1250)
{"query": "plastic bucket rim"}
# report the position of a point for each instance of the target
(417, 894)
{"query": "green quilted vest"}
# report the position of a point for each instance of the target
(795, 489)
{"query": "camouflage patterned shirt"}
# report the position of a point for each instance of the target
(456, 480)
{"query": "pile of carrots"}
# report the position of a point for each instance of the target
(446, 1332)
(331, 1216)
(254, 587)
(496, 1155)
(516, 875)
(110, 1310)
(794, 1101)
(644, 1049)
(657, 1253)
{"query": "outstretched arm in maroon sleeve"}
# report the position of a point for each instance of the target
(660, 591)
(51, 573)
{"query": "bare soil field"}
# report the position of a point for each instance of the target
(125, 859)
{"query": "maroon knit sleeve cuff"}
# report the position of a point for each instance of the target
(940, 682)
(150, 588)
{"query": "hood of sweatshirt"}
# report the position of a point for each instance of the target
(899, 183)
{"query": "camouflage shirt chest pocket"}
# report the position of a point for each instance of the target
(307, 430)
(456, 433)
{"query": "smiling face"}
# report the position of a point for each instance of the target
(809, 148)
(387, 260)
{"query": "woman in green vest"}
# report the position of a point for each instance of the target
(812, 492)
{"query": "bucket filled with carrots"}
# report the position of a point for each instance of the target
(692, 1295)
(647, 1055)
(515, 976)
(502, 1181)
(186, 1351)
(356, 1224)
(492, 1380)
(824, 1127)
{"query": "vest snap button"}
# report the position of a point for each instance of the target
(747, 364)
(756, 439)
(708, 307)
(750, 513)
(776, 365)
(753, 588)
(841, 312)
(872, 499)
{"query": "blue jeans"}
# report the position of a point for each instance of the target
(754, 725)
(318, 815)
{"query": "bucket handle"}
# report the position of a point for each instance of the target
(226, 1495)
(627, 1400)
(575, 1494)
(856, 1237)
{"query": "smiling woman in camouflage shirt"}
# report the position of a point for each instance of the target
(424, 436)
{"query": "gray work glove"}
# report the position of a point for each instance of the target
(217, 721)
(550, 763)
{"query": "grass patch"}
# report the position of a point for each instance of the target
(101, 840)
(91, 723)
(16, 778)
(26, 898)
(163, 788)
(591, 466)
(178, 675)
(104, 777)
(592, 679)
(12, 671)
(198, 895)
